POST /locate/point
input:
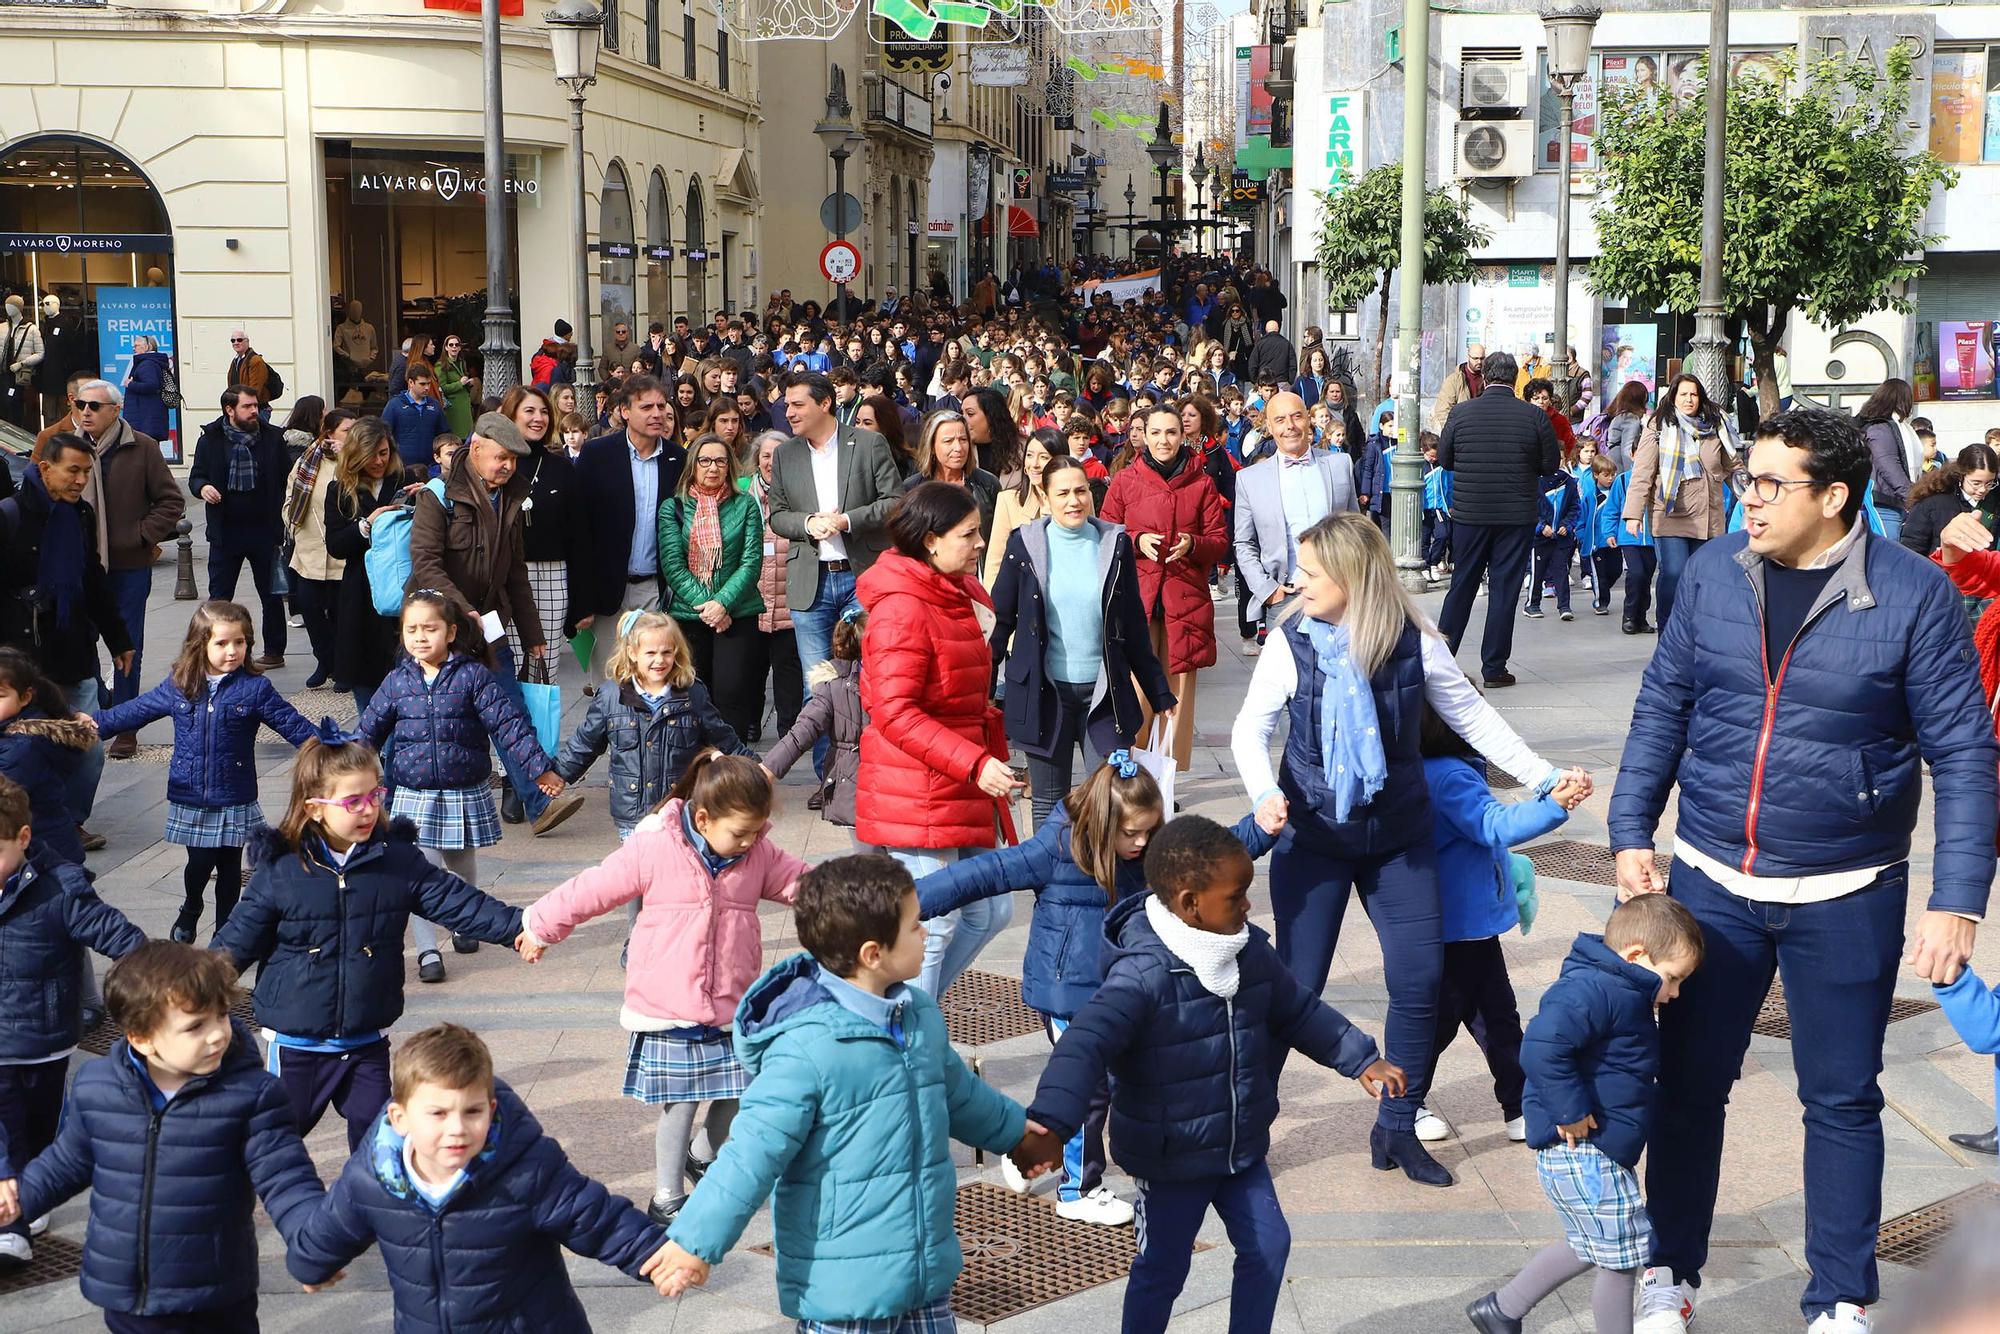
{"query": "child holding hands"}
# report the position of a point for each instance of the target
(1193, 1014)
(1593, 1055)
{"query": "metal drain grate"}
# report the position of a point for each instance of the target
(1500, 780)
(986, 1007)
(1019, 1255)
(1916, 1236)
(1585, 863)
(99, 1039)
(57, 1260)
(1774, 1020)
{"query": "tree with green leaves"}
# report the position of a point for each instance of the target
(1361, 244)
(1823, 211)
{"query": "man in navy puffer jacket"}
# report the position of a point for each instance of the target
(1807, 674)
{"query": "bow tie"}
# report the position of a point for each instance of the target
(1301, 461)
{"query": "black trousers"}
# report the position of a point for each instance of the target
(1437, 537)
(31, 1102)
(1606, 563)
(778, 661)
(313, 600)
(225, 564)
(726, 664)
(1498, 553)
(1475, 994)
(1640, 563)
(240, 1318)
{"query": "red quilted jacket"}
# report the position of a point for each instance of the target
(926, 668)
(1144, 502)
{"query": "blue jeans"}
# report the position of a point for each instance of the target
(1838, 960)
(1169, 1216)
(533, 800)
(1892, 522)
(1674, 553)
(81, 790)
(953, 941)
(1399, 891)
(131, 588)
(813, 630)
(225, 563)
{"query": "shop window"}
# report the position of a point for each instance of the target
(653, 33)
(721, 54)
(697, 253)
(659, 245)
(616, 251)
(687, 38)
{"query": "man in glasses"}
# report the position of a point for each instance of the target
(1809, 672)
(246, 367)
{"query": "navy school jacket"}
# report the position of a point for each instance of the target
(215, 734)
(1594, 1050)
(440, 729)
(40, 752)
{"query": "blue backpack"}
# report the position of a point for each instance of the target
(389, 554)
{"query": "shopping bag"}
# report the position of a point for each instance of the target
(545, 712)
(1157, 759)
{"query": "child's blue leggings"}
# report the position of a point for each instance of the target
(1170, 1214)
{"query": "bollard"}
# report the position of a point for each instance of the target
(184, 563)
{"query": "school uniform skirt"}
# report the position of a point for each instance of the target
(684, 1065)
(213, 826)
(449, 818)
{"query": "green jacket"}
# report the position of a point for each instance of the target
(456, 395)
(735, 582)
(853, 1131)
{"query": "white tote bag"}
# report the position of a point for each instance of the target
(1157, 759)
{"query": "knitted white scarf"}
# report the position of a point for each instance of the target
(1212, 956)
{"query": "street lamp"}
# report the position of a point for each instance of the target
(575, 29)
(1161, 149)
(1198, 173)
(1569, 28)
(1131, 198)
(500, 349)
(1708, 351)
(836, 132)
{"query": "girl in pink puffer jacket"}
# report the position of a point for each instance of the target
(698, 867)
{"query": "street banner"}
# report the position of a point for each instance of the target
(1127, 287)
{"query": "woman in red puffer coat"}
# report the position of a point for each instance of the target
(1169, 506)
(934, 772)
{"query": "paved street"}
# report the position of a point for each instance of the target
(1370, 1251)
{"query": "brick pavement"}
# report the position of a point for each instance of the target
(1370, 1251)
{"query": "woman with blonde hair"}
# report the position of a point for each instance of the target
(944, 454)
(1352, 664)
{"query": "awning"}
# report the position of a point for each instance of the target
(1020, 222)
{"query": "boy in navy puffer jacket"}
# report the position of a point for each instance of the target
(472, 1204)
(49, 914)
(1194, 1015)
(1593, 1055)
(176, 1133)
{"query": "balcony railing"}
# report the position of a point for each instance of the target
(893, 104)
(1285, 19)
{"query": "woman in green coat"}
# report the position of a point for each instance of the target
(711, 551)
(455, 387)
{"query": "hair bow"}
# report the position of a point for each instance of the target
(853, 614)
(628, 620)
(331, 733)
(1122, 762)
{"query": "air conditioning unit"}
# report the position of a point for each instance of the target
(1494, 149)
(1493, 86)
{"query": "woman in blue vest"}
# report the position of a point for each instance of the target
(1357, 664)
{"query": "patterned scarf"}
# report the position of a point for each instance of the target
(242, 459)
(304, 478)
(1350, 733)
(705, 535)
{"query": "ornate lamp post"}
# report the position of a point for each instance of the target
(1161, 149)
(1198, 173)
(1708, 351)
(1131, 199)
(576, 27)
(1569, 28)
(500, 349)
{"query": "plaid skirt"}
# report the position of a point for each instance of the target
(213, 826)
(449, 818)
(549, 579)
(1602, 1210)
(683, 1065)
(930, 1318)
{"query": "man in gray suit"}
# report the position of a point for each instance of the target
(832, 487)
(1282, 496)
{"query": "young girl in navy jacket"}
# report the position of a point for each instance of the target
(444, 707)
(1083, 860)
(41, 745)
(217, 699)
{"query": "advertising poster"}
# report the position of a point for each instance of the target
(1583, 127)
(1260, 96)
(124, 313)
(1958, 105)
(1512, 308)
(1965, 359)
(1924, 362)
(1627, 352)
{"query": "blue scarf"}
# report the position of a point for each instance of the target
(59, 575)
(1350, 735)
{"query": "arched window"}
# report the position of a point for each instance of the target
(915, 239)
(659, 241)
(697, 253)
(616, 251)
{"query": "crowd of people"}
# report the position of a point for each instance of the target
(914, 541)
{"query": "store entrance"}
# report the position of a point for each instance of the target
(406, 231)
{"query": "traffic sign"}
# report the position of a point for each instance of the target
(848, 219)
(840, 262)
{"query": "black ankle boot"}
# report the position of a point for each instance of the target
(1487, 1318)
(1985, 1143)
(186, 923)
(1401, 1148)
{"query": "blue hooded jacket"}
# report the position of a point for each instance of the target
(173, 1189)
(49, 917)
(852, 1129)
(1193, 1076)
(1064, 963)
(215, 734)
(1474, 831)
(1594, 1050)
(488, 1259)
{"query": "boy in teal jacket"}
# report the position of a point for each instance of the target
(854, 1099)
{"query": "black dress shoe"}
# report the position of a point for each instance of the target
(1388, 1149)
(696, 1169)
(661, 1216)
(1986, 1143)
(1486, 1317)
(1499, 681)
(1637, 628)
(817, 800)
(511, 809)
(317, 679)
(464, 944)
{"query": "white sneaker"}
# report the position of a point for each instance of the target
(1517, 1130)
(1100, 1207)
(40, 1225)
(1665, 1307)
(1844, 1318)
(15, 1251)
(1431, 1127)
(1010, 1175)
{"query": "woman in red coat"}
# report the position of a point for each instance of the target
(933, 758)
(1169, 506)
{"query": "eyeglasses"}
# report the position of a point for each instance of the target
(1973, 488)
(354, 805)
(239, 340)
(89, 405)
(1766, 488)
(711, 463)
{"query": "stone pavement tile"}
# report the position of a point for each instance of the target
(1413, 1303)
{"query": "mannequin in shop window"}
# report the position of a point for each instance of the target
(20, 367)
(355, 349)
(64, 351)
